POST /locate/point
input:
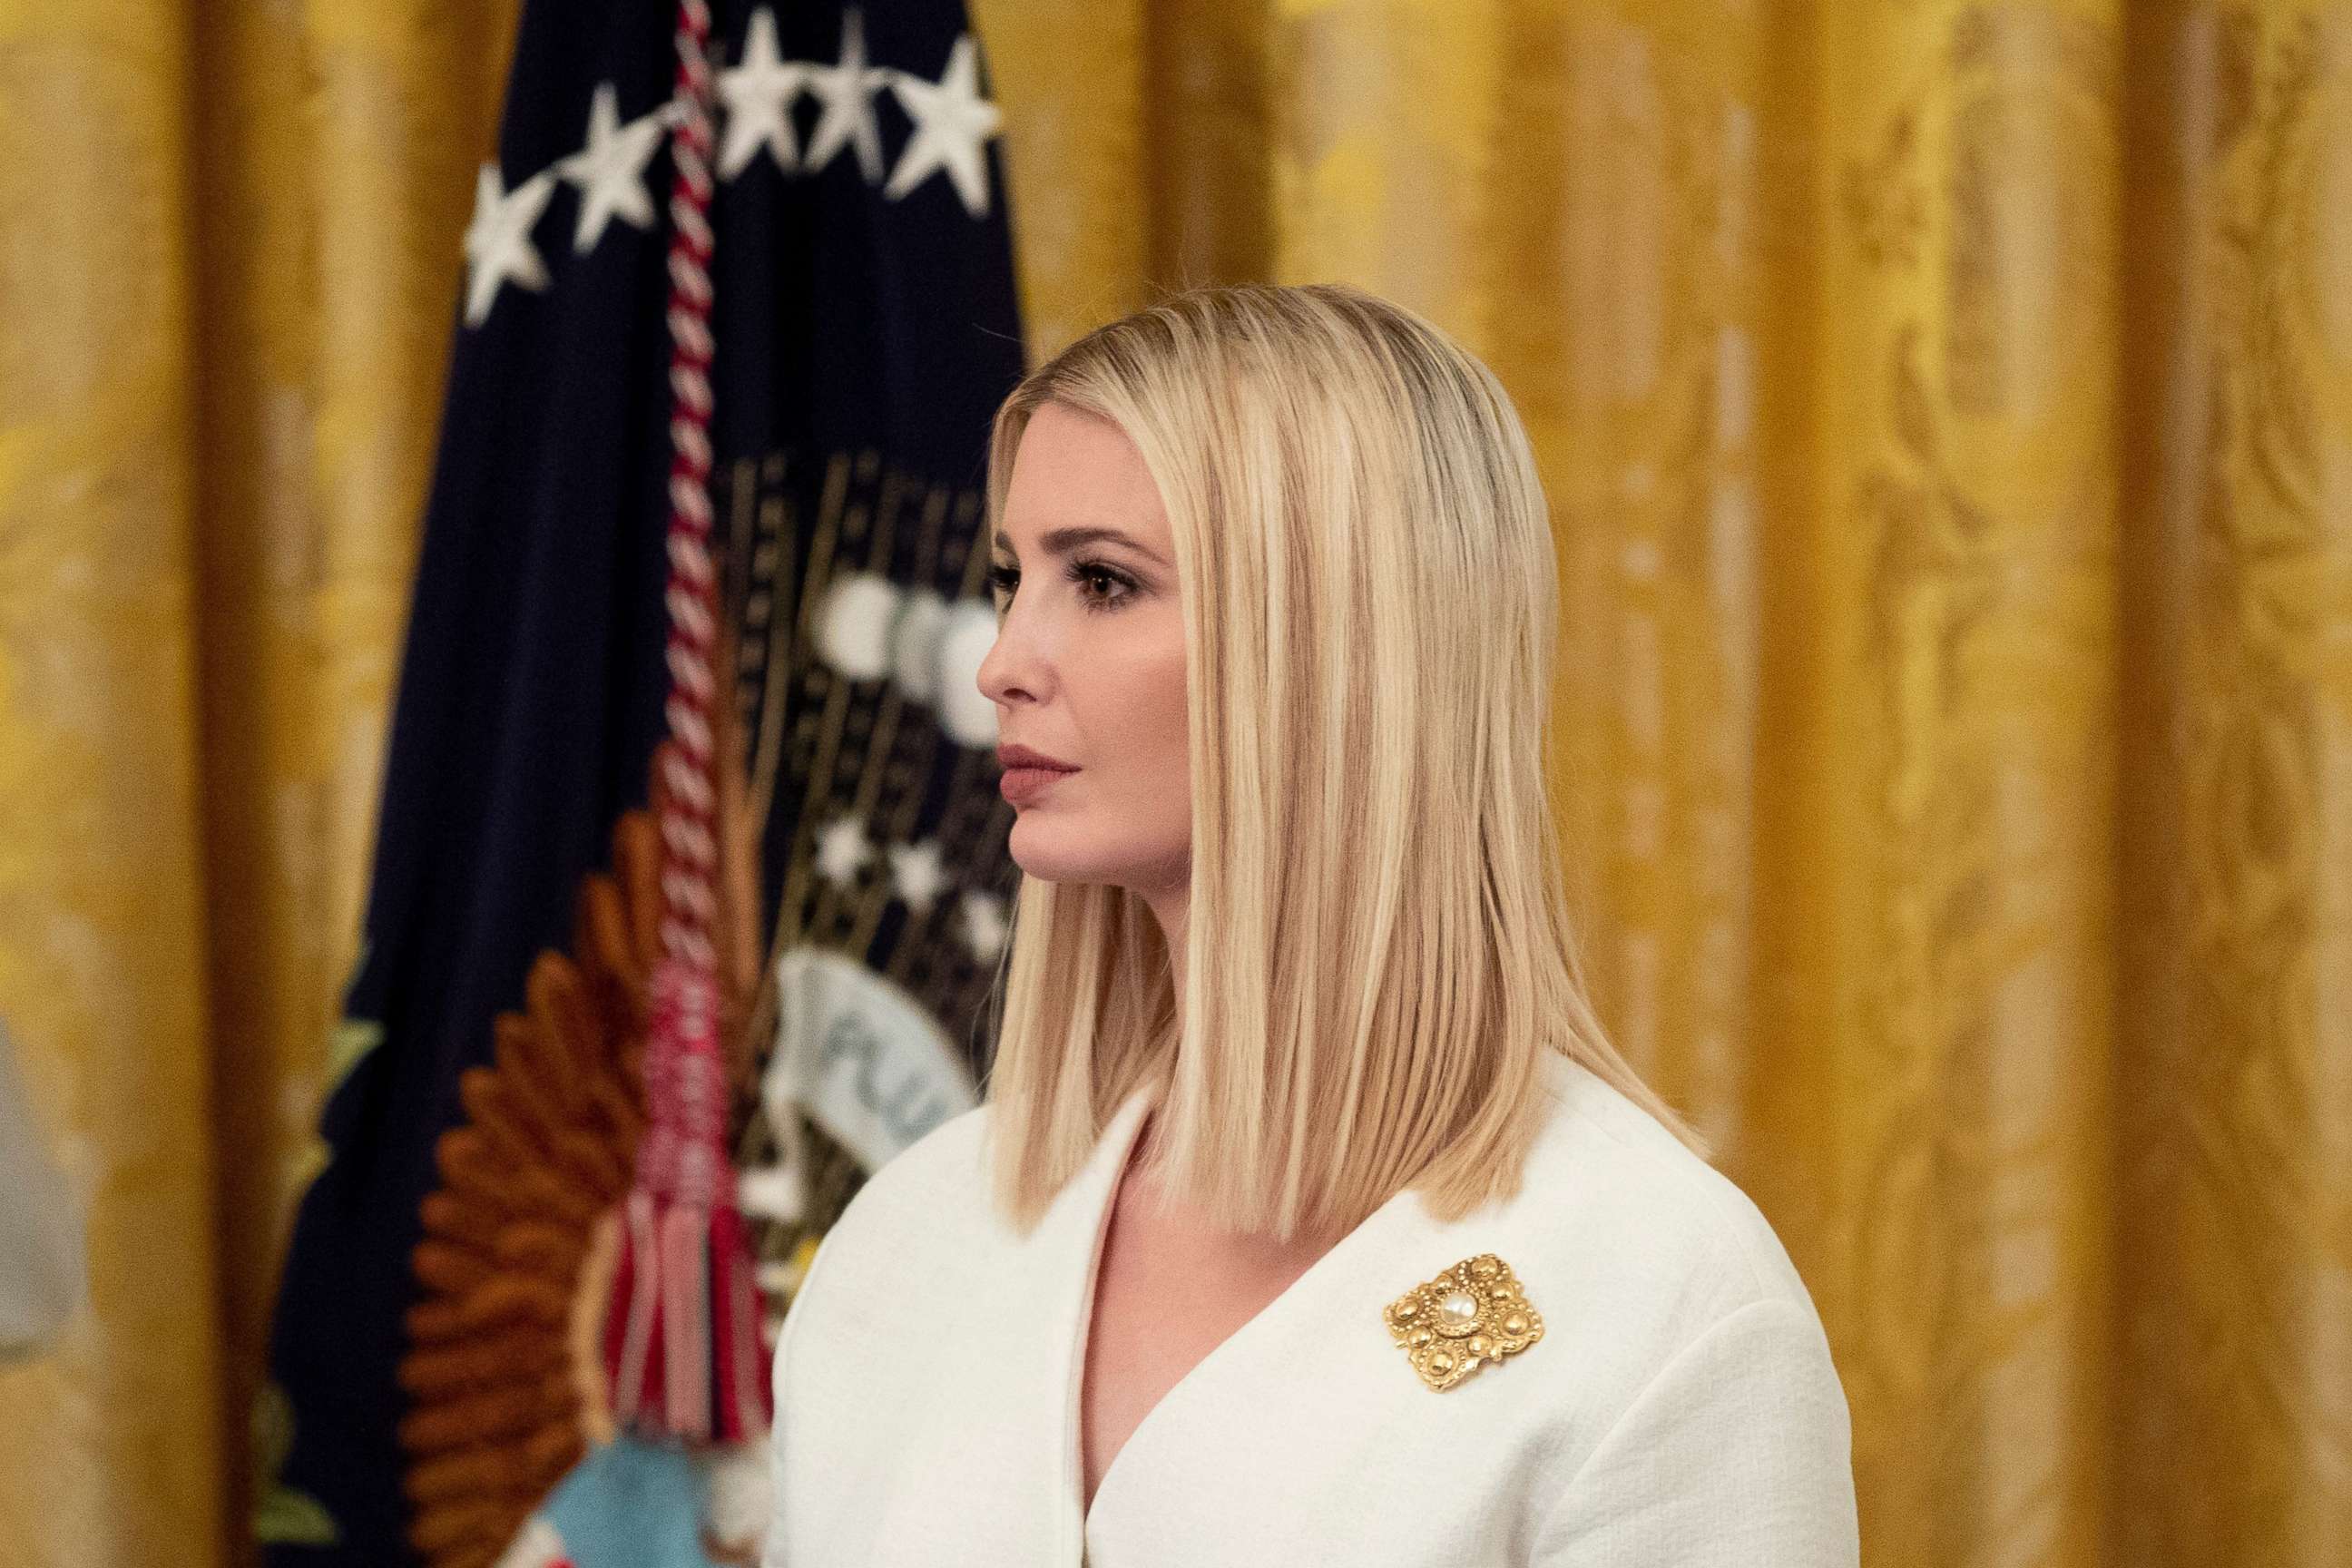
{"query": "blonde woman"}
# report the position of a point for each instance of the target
(1309, 1217)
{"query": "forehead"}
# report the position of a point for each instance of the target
(1074, 468)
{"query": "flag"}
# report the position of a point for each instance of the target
(435, 1375)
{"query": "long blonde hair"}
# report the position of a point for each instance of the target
(1378, 946)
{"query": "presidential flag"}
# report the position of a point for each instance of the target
(439, 1386)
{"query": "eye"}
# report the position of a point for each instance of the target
(1001, 581)
(1111, 595)
(1101, 587)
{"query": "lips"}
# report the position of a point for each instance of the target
(1013, 755)
(1027, 773)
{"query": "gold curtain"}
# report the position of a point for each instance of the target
(228, 256)
(1947, 413)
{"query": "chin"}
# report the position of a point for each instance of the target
(1055, 851)
(1048, 850)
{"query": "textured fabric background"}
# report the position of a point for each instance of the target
(1947, 411)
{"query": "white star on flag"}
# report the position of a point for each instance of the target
(841, 850)
(916, 873)
(952, 125)
(611, 170)
(759, 95)
(498, 242)
(848, 111)
(983, 925)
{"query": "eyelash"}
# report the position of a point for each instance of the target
(1005, 579)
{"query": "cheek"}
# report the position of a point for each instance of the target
(1138, 700)
(1163, 700)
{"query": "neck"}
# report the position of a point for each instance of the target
(1168, 907)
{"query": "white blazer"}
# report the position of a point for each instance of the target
(1679, 1409)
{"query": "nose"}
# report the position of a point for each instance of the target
(1016, 669)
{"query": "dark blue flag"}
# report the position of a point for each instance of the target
(433, 1393)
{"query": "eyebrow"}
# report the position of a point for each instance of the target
(1062, 540)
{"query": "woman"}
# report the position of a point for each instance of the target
(1309, 1217)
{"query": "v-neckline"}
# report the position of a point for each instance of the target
(1119, 1141)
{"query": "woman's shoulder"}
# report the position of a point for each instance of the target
(907, 1218)
(1703, 1389)
(1610, 1193)
(927, 1188)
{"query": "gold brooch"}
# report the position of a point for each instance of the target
(1473, 1313)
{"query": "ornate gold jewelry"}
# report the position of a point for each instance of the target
(1473, 1313)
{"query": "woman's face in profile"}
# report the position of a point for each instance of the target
(1088, 663)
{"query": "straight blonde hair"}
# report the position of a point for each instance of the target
(1379, 947)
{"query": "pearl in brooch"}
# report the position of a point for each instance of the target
(1471, 1314)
